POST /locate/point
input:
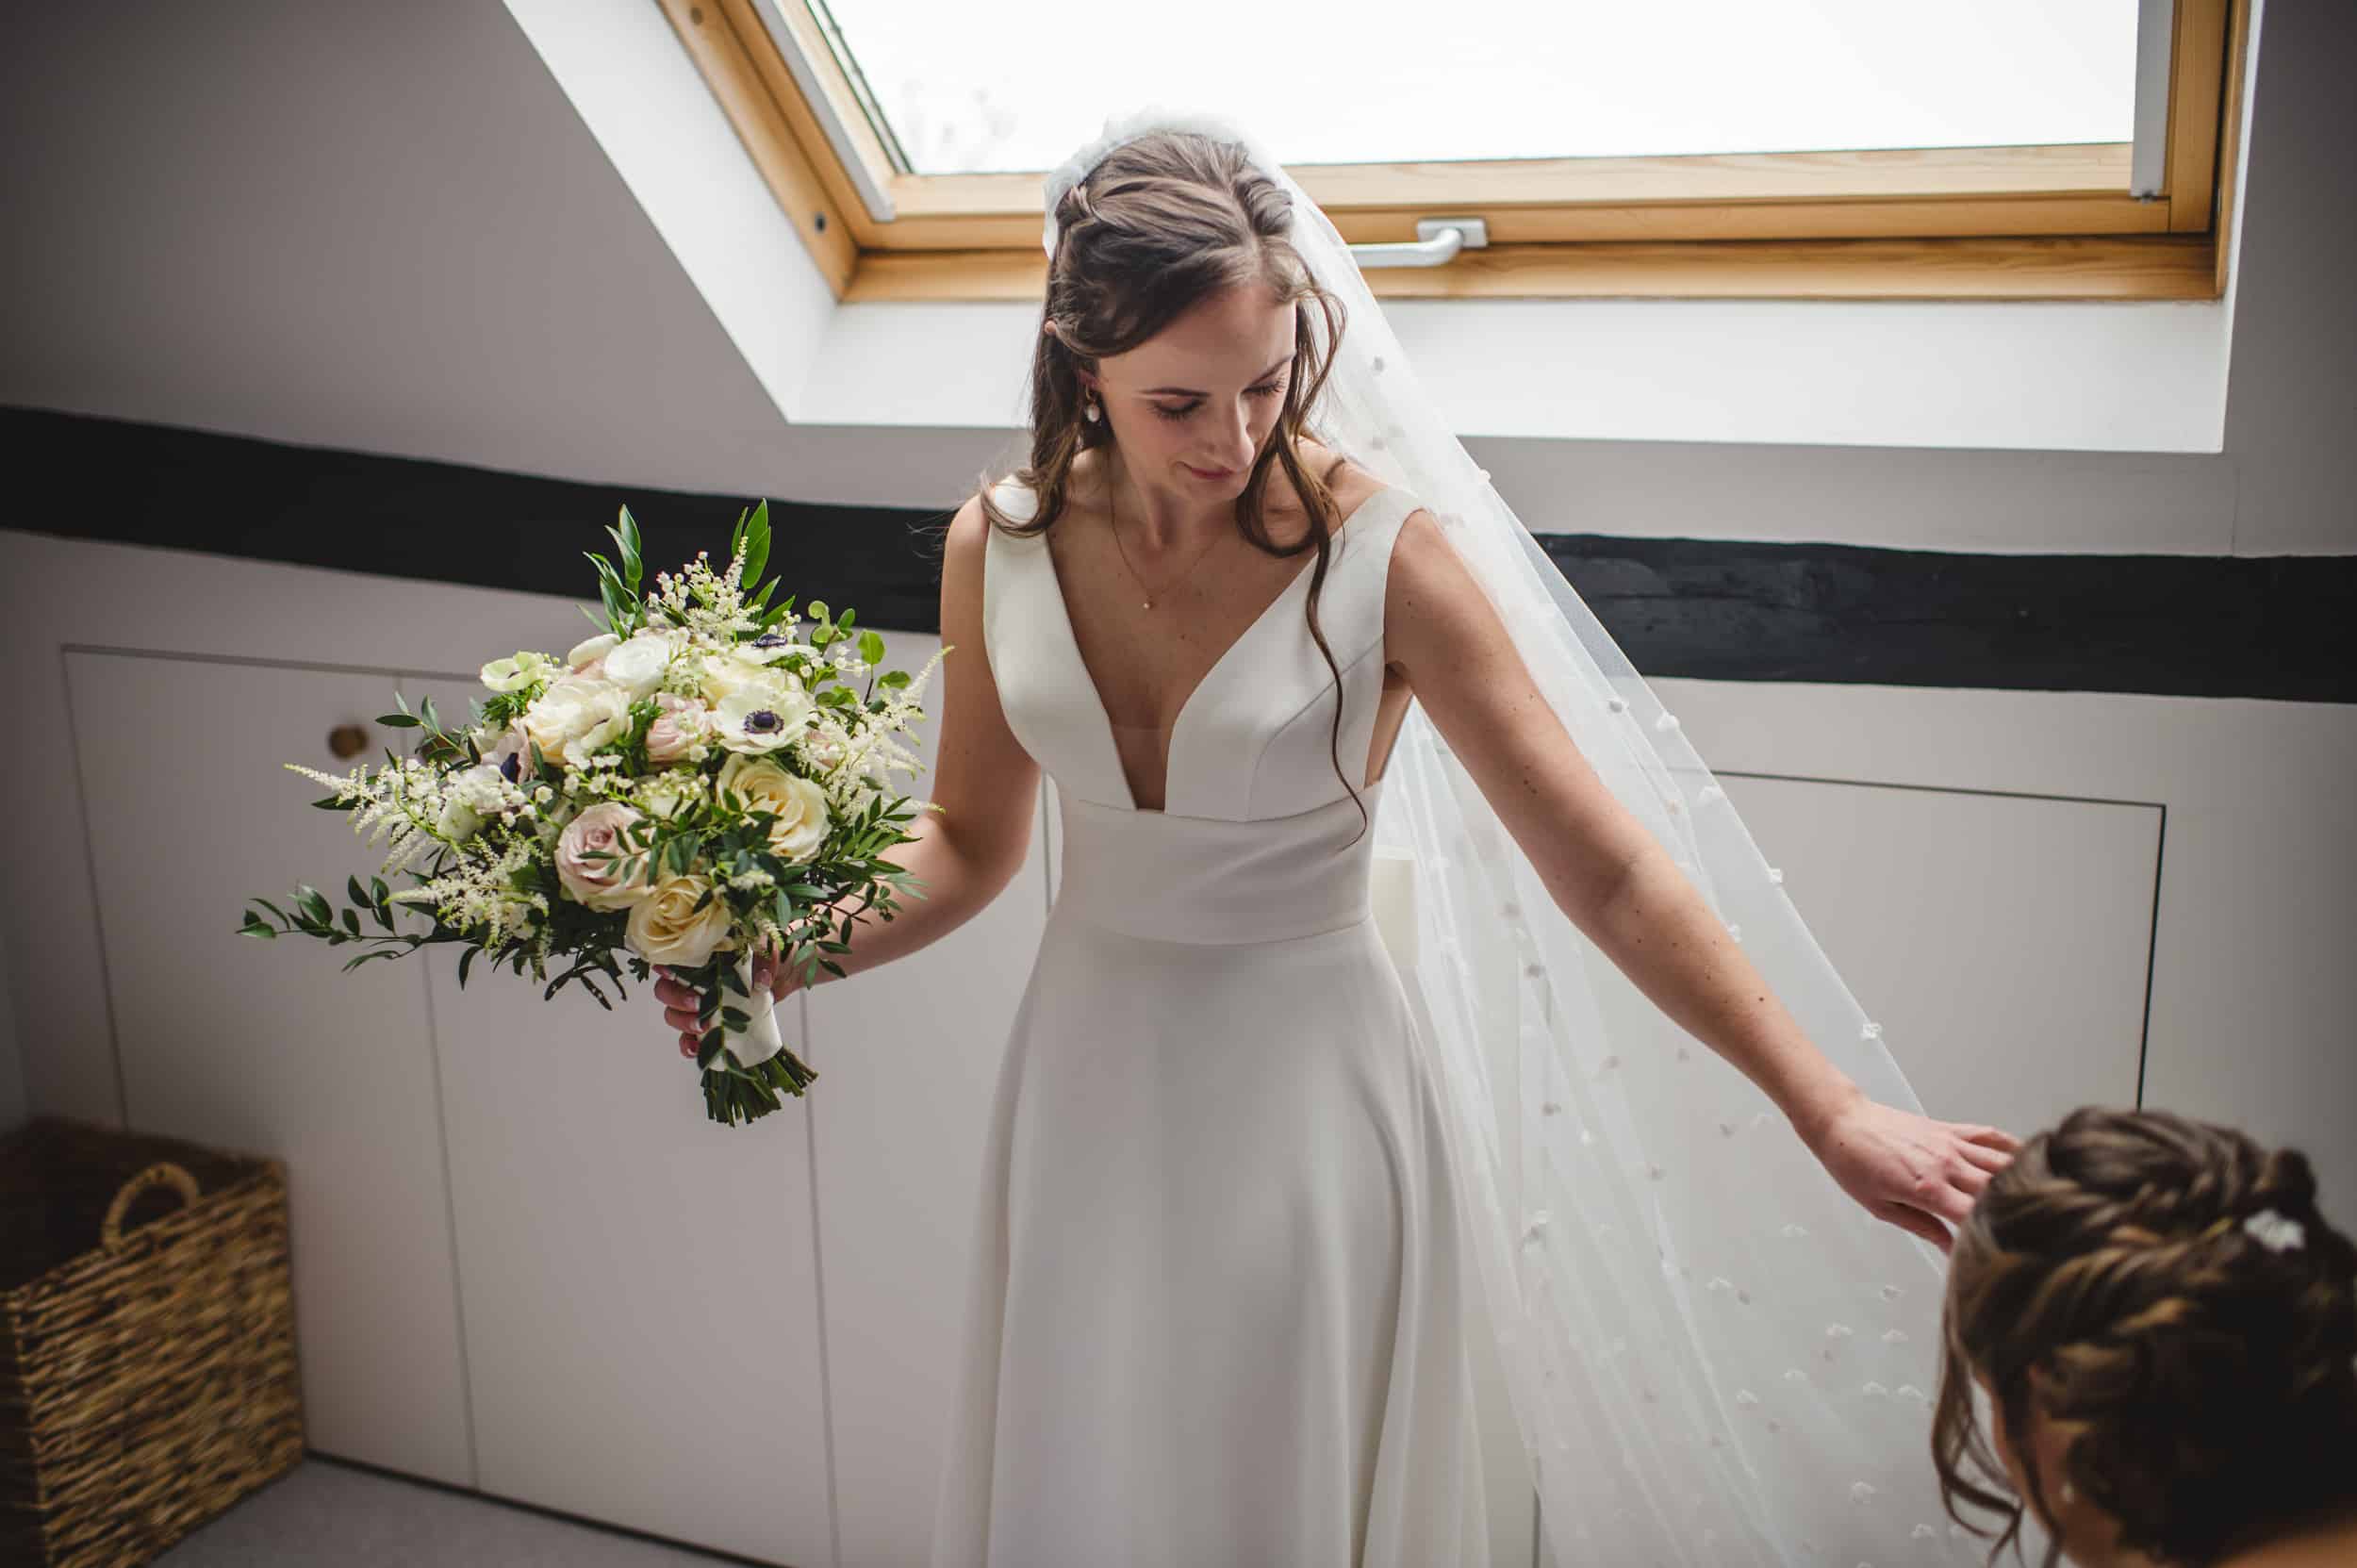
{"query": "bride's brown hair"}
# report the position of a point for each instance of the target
(1166, 221)
(2201, 1378)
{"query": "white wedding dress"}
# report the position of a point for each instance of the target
(1221, 1294)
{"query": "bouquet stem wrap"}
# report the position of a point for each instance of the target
(759, 1039)
(741, 1048)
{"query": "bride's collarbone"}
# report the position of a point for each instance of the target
(1150, 660)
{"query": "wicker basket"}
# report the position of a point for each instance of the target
(147, 1370)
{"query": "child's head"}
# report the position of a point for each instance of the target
(2167, 1330)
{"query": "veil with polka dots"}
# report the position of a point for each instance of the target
(1715, 1356)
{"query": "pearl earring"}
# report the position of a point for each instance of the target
(2069, 1493)
(1092, 411)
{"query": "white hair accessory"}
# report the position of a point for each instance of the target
(2274, 1231)
(1118, 129)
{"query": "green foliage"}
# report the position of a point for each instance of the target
(815, 902)
(625, 609)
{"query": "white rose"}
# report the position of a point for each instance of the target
(759, 720)
(799, 804)
(637, 665)
(589, 649)
(665, 927)
(575, 717)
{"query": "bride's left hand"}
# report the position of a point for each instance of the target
(1919, 1174)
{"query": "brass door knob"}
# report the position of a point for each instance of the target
(348, 740)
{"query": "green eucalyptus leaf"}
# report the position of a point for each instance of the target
(757, 545)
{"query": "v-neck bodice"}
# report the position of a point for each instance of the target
(1250, 741)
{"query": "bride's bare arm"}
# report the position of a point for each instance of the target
(1617, 884)
(985, 785)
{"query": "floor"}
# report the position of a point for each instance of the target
(333, 1513)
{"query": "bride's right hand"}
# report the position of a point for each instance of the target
(679, 1000)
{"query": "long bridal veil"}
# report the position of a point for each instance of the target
(1714, 1355)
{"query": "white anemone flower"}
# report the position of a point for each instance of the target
(755, 720)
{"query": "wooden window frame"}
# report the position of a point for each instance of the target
(1970, 223)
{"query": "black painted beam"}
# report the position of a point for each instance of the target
(2177, 626)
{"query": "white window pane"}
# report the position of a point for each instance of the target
(1017, 85)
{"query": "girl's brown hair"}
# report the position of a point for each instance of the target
(2202, 1380)
(1164, 223)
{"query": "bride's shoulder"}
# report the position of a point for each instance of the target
(1344, 481)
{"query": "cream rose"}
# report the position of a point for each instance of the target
(665, 927)
(800, 805)
(598, 882)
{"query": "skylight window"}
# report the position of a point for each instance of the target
(1863, 149)
(1016, 86)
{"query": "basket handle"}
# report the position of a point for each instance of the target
(162, 1174)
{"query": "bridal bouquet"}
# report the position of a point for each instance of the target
(702, 780)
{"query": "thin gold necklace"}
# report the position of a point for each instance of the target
(1113, 514)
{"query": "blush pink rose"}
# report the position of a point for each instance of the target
(594, 883)
(679, 723)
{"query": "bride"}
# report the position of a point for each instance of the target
(1408, 979)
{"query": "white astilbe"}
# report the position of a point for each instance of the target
(708, 606)
(479, 896)
(403, 803)
(851, 765)
(399, 803)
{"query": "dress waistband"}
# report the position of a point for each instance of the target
(1208, 880)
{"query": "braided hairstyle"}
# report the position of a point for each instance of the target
(2203, 1381)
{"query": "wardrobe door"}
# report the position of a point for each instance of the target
(639, 1282)
(908, 1058)
(265, 1046)
(2001, 940)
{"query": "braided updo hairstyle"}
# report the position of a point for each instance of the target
(2203, 1383)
